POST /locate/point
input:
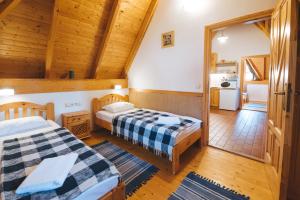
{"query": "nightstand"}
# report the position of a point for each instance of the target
(79, 123)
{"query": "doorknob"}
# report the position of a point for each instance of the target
(297, 92)
(279, 93)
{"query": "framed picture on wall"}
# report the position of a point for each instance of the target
(167, 39)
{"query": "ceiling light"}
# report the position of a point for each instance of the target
(222, 38)
(195, 6)
(7, 92)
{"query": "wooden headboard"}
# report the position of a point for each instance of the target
(25, 109)
(98, 103)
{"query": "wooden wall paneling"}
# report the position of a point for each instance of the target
(30, 86)
(182, 103)
(123, 37)
(51, 39)
(102, 47)
(23, 40)
(8, 6)
(80, 29)
(168, 92)
(140, 35)
(47, 39)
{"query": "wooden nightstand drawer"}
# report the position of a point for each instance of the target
(78, 123)
(77, 119)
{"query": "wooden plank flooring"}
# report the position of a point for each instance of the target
(241, 132)
(241, 174)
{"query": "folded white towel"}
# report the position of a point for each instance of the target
(170, 120)
(50, 174)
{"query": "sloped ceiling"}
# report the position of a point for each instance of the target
(23, 40)
(48, 38)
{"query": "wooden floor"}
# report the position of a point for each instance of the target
(241, 174)
(242, 132)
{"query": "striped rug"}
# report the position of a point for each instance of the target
(135, 172)
(196, 187)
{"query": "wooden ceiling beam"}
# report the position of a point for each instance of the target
(51, 40)
(140, 36)
(264, 26)
(102, 48)
(31, 86)
(7, 6)
(254, 69)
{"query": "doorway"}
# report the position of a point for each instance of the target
(238, 60)
(254, 80)
(283, 95)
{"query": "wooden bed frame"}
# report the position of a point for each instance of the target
(178, 149)
(47, 110)
(25, 108)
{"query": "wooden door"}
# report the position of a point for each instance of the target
(278, 145)
(294, 173)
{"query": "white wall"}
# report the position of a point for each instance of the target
(181, 68)
(243, 40)
(257, 92)
(81, 100)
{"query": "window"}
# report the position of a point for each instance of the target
(249, 74)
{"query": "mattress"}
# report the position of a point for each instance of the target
(108, 117)
(95, 192)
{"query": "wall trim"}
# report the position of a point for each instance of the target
(30, 86)
(196, 94)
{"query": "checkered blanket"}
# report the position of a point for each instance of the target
(21, 155)
(140, 127)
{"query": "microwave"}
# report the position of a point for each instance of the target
(229, 84)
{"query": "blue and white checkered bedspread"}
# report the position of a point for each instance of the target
(140, 127)
(21, 155)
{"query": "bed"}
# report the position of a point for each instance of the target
(187, 137)
(111, 188)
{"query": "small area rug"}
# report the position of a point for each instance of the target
(255, 107)
(135, 172)
(196, 187)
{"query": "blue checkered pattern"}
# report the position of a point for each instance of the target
(21, 155)
(140, 126)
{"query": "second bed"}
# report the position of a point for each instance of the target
(139, 125)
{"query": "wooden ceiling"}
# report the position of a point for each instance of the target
(48, 38)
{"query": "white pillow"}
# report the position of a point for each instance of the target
(118, 107)
(21, 125)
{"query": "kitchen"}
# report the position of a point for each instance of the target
(224, 86)
(239, 89)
